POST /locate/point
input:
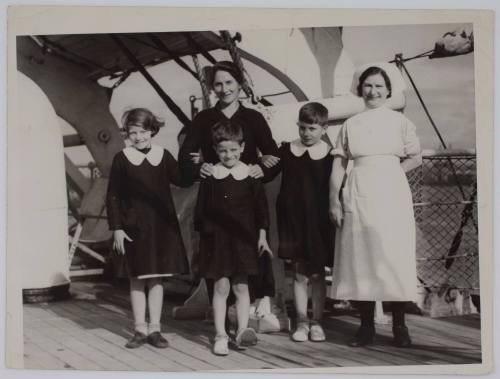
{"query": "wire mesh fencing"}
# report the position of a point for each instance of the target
(444, 197)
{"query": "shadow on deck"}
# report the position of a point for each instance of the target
(88, 332)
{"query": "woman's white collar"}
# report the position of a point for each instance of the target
(239, 172)
(317, 151)
(136, 157)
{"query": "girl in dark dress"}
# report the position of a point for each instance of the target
(142, 215)
(232, 217)
(306, 235)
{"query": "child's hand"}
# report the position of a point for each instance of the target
(119, 237)
(336, 213)
(269, 160)
(206, 170)
(196, 158)
(255, 171)
(263, 247)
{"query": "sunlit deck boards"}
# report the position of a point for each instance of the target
(89, 331)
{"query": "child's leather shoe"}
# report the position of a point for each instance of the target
(136, 341)
(157, 340)
(364, 336)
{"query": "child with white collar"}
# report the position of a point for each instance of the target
(306, 234)
(232, 217)
(142, 216)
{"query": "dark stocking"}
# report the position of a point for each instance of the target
(366, 331)
(398, 313)
(399, 329)
(366, 312)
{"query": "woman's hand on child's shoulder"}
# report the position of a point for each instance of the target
(196, 158)
(119, 237)
(269, 160)
(206, 170)
(255, 171)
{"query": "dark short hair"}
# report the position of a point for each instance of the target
(370, 71)
(142, 117)
(227, 131)
(229, 67)
(314, 113)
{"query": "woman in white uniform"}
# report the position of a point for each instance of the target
(375, 245)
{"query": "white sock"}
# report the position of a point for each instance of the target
(154, 328)
(141, 327)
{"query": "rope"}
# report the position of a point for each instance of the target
(197, 47)
(423, 55)
(203, 82)
(400, 63)
(467, 211)
(236, 57)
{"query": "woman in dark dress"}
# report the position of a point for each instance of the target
(306, 235)
(257, 136)
(142, 215)
(227, 83)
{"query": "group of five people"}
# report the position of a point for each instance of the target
(362, 223)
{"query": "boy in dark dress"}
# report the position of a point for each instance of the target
(306, 234)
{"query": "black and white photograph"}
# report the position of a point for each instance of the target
(297, 195)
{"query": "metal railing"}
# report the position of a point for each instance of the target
(444, 196)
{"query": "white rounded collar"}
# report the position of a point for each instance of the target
(318, 151)
(239, 172)
(136, 157)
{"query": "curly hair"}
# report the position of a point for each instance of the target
(142, 117)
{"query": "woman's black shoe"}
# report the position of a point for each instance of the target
(401, 336)
(137, 340)
(157, 340)
(364, 336)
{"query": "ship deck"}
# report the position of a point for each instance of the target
(88, 332)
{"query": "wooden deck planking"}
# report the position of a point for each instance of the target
(269, 358)
(53, 343)
(184, 357)
(201, 332)
(89, 332)
(98, 349)
(340, 330)
(111, 342)
(424, 349)
(274, 352)
(118, 330)
(38, 358)
(448, 330)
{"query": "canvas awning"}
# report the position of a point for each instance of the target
(101, 56)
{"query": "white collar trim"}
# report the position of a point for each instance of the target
(134, 156)
(318, 151)
(239, 172)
